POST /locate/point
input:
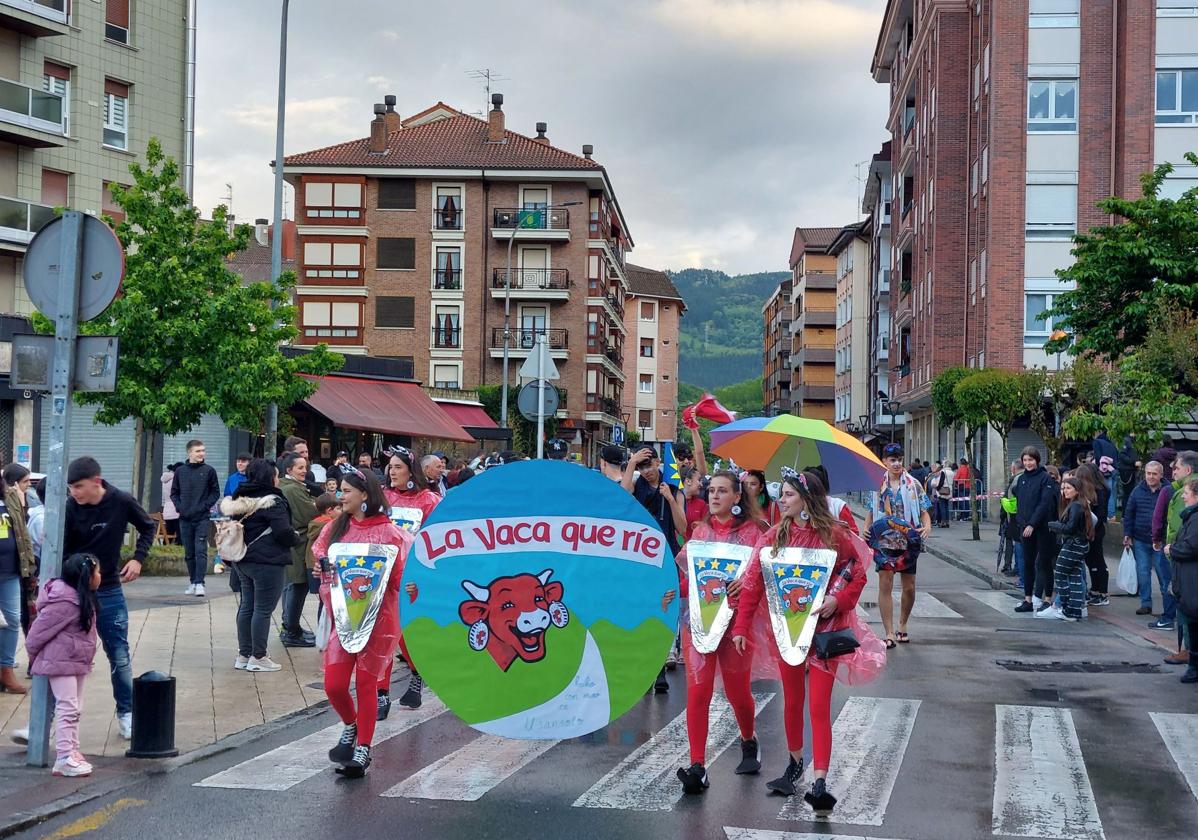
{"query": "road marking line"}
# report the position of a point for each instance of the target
(996, 600)
(285, 767)
(95, 820)
(766, 834)
(645, 780)
(869, 739)
(926, 606)
(466, 774)
(1180, 734)
(1041, 788)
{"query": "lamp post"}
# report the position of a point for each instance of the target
(270, 442)
(863, 422)
(507, 298)
(892, 408)
(852, 428)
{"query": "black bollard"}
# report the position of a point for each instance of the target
(153, 716)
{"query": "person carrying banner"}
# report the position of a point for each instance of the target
(808, 524)
(363, 519)
(733, 520)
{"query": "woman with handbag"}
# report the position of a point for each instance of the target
(733, 520)
(851, 652)
(1074, 530)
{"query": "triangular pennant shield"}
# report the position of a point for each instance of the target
(711, 566)
(360, 575)
(408, 518)
(796, 580)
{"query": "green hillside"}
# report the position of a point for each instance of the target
(722, 331)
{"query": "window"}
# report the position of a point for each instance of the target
(323, 200)
(395, 311)
(1053, 14)
(449, 269)
(396, 252)
(446, 376)
(448, 215)
(1176, 97)
(332, 260)
(1037, 330)
(397, 194)
(1052, 105)
(647, 348)
(337, 319)
(447, 328)
(116, 21)
(644, 418)
(1051, 211)
(56, 79)
(535, 198)
(647, 311)
(109, 207)
(1176, 8)
(645, 383)
(116, 114)
(55, 188)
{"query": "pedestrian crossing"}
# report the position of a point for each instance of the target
(926, 605)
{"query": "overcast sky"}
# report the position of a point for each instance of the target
(722, 123)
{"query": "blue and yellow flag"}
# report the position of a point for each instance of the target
(669, 466)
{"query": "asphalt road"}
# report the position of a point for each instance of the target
(947, 745)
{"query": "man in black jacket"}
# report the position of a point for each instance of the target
(194, 491)
(1036, 506)
(98, 515)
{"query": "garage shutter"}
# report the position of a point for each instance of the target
(112, 446)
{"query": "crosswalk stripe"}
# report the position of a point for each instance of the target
(869, 740)
(767, 834)
(1180, 734)
(285, 767)
(1041, 788)
(1000, 601)
(645, 780)
(926, 606)
(465, 775)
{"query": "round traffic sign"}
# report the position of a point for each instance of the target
(526, 401)
(102, 267)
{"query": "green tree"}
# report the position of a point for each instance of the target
(524, 432)
(972, 395)
(949, 412)
(1051, 398)
(194, 339)
(999, 394)
(1125, 273)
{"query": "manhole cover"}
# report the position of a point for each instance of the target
(1048, 694)
(1080, 667)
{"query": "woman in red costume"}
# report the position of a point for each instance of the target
(363, 519)
(807, 523)
(733, 518)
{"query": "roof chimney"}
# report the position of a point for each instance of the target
(587, 151)
(378, 130)
(541, 129)
(261, 226)
(495, 130)
(391, 115)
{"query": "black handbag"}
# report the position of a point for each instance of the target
(833, 643)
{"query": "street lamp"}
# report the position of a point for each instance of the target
(271, 441)
(852, 428)
(507, 296)
(863, 421)
(892, 408)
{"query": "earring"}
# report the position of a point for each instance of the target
(479, 635)
(365, 507)
(737, 510)
(558, 614)
(805, 516)
(411, 484)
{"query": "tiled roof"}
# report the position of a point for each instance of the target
(457, 141)
(817, 237)
(649, 282)
(253, 264)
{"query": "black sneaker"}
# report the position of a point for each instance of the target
(785, 784)
(693, 778)
(1160, 624)
(661, 685)
(1191, 674)
(750, 757)
(344, 751)
(412, 698)
(291, 641)
(819, 799)
(1098, 599)
(355, 768)
(384, 707)
(1043, 606)
(1024, 606)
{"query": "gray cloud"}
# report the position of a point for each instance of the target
(723, 123)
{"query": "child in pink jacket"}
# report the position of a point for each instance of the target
(61, 645)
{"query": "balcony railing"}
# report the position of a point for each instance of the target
(55, 10)
(532, 278)
(447, 278)
(22, 219)
(447, 338)
(31, 108)
(447, 218)
(526, 339)
(532, 218)
(605, 404)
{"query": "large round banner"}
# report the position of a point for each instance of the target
(543, 601)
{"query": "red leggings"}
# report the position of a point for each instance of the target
(336, 686)
(701, 684)
(793, 690)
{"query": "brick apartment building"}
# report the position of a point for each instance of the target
(813, 323)
(775, 362)
(404, 240)
(1009, 120)
(851, 248)
(653, 311)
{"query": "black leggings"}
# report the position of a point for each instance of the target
(1096, 563)
(1038, 558)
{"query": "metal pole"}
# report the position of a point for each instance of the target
(270, 444)
(189, 111)
(507, 319)
(66, 330)
(541, 345)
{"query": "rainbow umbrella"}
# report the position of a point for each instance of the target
(770, 443)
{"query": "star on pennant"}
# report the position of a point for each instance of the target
(343, 563)
(780, 573)
(729, 567)
(797, 572)
(361, 561)
(817, 574)
(378, 564)
(701, 564)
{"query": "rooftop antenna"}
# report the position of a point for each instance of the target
(860, 181)
(487, 76)
(227, 198)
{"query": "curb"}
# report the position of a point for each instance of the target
(995, 580)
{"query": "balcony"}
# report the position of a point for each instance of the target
(531, 284)
(446, 337)
(447, 219)
(602, 351)
(818, 280)
(20, 220)
(36, 18)
(816, 318)
(447, 279)
(805, 393)
(523, 341)
(31, 117)
(813, 355)
(531, 223)
(608, 408)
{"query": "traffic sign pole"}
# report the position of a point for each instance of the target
(540, 396)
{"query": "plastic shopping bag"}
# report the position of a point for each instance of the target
(1126, 578)
(324, 627)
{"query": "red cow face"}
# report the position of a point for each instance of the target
(797, 599)
(508, 617)
(711, 589)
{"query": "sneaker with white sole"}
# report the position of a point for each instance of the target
(1052, 612)
(241, 663)
(20, 736)
(263, 663)
(124, 723)
(190, 590)
(199, 590)
(71, 766)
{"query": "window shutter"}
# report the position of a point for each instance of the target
(54, 188)
(392, 311)
(117, 12)
(397, 194)
(115, 88)
(57, 71)
(396, 252)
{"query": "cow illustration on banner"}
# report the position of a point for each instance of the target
(360, 574)
(542, 601)
(796, 580)
(711, 566)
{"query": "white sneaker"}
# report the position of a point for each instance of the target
(198, 590)
(1036, 602)
(264, 663)
(20, 736)
(125, 724)
(73, 765)
(1053, 612)
(191, 589)
(241, 663)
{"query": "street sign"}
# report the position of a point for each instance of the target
(529, 370)
(617, 434)
(101, 268)
(526, 401)
(95, 363)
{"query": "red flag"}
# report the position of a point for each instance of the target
(708, 408)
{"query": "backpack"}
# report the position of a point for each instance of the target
(230, 538)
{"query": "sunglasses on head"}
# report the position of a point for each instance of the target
(402, 451)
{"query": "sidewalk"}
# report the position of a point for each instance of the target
(194, 640)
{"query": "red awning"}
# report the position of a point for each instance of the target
(468, 416)
(398, 408)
